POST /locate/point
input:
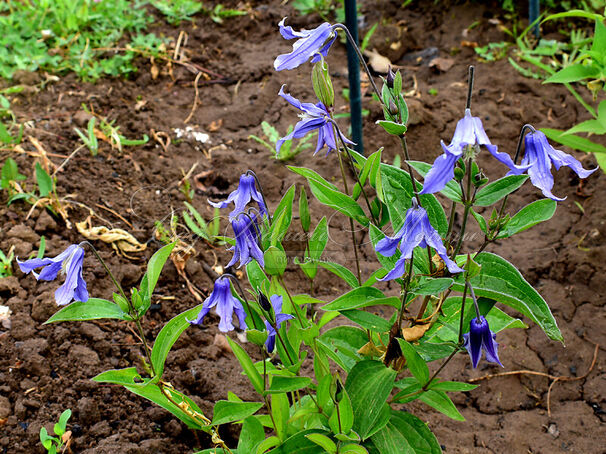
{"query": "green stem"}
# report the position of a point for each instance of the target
(461, 318)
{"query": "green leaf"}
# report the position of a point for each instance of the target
(60, 426)
(226, 411)
(501, 281)
(367, 320)
(352, 448)
(328, 194)
(304, 215)
(153, 393)
(392, 127)
(300, 444)
(44, 180)
(342, 343)
(93, 309)
(282, 217)
(340, 271)
(432, 286)
(275, 261)
(451, 386)
(481, 221)
(572, 141)
(398, 192)
(417, 366)
(318, 239)
(533, 214)
(368, 385)
(358, 297)
(154, 267)
(404, 434)
(248, 366)
(251, 435)
(441, 402)
(125, 377)
(342, 421)
(323, 441)
(573, 73)
(287, 384)
(168, 336)
(280, 411)
(495, 191)
(451, 190)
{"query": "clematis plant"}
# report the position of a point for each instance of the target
(329, 374)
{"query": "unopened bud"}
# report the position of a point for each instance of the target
(479, 179)
(459, 174)
(391, 77)
(264, 302)
(320, 79)
(393, 109)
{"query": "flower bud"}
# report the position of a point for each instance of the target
(459, 174)
(391, 77)
(264, 302)
(320, 79)
(479, 179)
(393, 109)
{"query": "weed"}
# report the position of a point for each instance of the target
(286, 151)
(6, 263)
(54, 444)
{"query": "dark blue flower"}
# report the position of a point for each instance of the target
(70, 263)
(539, 155)
(416, 231)
(247, 191)
(247, 241)
(226, 304)
(309, 44)
(276, 302)
(314, 116)
(468, 133)
(481, 338)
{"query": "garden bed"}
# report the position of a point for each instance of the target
(45, 369)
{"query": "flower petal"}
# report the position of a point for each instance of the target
(441, 172)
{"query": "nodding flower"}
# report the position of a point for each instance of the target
(479, 338)
(314, 116)
(539, 155)
(69, 262)
(469, 135)
(226, 305)
(247, 191)
(247, 241)
(310, 44)
(416, 231)
(278, 319)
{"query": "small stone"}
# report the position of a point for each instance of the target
(92, 331)
(22, 327)
(83, 355)
(44, 306)
(553, 431)
(24, 233)
(88, 411)
(45, 223)
(9, 286)
(5, 407)
(100, 430)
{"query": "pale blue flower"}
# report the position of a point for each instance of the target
(226, 304)
(247, 191)
(416, 231)
(69, 262)
(279, 317)
(314, 116)
(310, 44)
(247, 241)
(468, 133)
(539, 155)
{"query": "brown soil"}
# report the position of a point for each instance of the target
(46, 369)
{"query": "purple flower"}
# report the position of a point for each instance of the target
(539, 155)
(247, 241)
(468, 133)
(276, 302)
(416, 231)
(70, 263)
(226, 303)
(481, 338)
(309, 44)
(246, 192)
(314, 116)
